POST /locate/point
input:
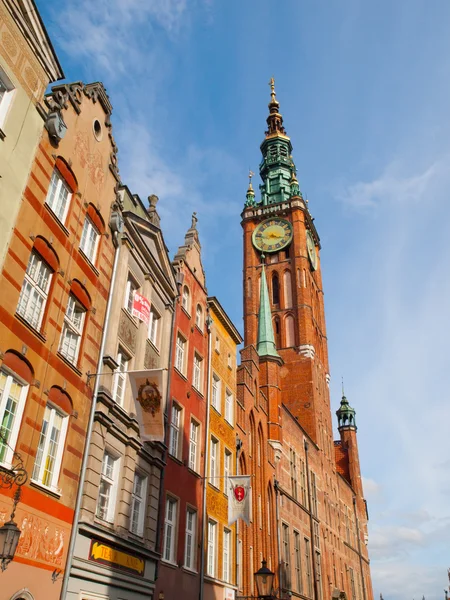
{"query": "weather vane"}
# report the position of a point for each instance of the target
(272, 86)
(250, 175)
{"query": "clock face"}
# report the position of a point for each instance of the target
(311, 247)
(272, 235)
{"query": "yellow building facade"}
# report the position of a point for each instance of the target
(220, 538)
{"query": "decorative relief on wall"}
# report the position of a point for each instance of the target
(152, 359)
(43, 538)
(90, 160)
(217, 505)
(127, 332)
(20, 59)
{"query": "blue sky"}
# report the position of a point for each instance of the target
(364, 89)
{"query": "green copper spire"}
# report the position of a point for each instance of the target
(266, 339)
(277, 169)
(346, 415)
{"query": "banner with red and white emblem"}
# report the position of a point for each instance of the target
(239, 499)
(148, 389)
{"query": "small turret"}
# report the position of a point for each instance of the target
(346, 415)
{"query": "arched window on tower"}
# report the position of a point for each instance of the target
(276, 330)
(275, 289)
(290, 331)
(287, 289)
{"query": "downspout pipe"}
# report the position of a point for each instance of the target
(90, 427)
(205, 464)
(359, 549)
(311, 524)
(277, 516)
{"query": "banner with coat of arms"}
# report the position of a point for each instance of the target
(239, 499)
(148, 388)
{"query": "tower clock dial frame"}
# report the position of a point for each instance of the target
(272, 235)
(311, 248)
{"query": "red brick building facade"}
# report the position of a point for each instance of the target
(309, 514)
(55, 286)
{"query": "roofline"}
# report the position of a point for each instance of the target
(49, 41)
(225, 319)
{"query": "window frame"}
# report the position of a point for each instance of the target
(122, 360)
(197, 372)
(131, 287)
(70, 327)
(154, 327)
(228, 552)
(90, 227)
(113, 483)
(186, 299)
(18, 415)
(140, 501)
(54, 477)
(230, 406)
(173, 524)
(211, 555)
(192, 535)
(194, 426)
(216, 393)
(35, 289)
(8, 95)
(181, 354)
(60, 185)
(214, 472)
(199, 320)
(178, 428)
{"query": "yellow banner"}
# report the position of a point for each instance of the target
(102, 553)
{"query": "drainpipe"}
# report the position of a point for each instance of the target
(205, 464)
(311, 521)
(359, 549)
(87, 443)
(238, 566)
(166, 425)
(277, 517)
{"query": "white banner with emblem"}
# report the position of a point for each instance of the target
(239, 499)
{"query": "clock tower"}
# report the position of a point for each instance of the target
(279, 231)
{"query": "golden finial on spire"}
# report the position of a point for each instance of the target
(250, 187)
(272, 88)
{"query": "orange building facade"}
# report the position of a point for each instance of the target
(55, 285)
(309, 514)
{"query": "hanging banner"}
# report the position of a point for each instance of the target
(148, 388)
(239, 499)
(141, 308)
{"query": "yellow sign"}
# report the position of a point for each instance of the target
(111, 556)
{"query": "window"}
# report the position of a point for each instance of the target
(316, 535)
(6, 94)
(89, 240)
(298, 563)
(120, 377)
(275, 289)
(230, 362)
(226, 555)
(175, 431)
(170, 525)
(229, 406)
(186, 299)
(193, 445)
(308, 568)
(153, 327)
(138, 504)
(313, 494)
(216, 389)
(319, 576)
(226, 471)
(352, 582)
(190, 539)
(285, 542)
(197, 372)
(180, 353)
(108, 488)
(303, 482)
(214, 462)
(58, 196)
(217, 345)
(33, 295)
(290, 331)
(199, 317)
(212, 542)
(12, 401)
(293, 468)
(50, 448)
(72, 329)
(131, 287)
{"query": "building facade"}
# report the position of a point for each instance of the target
(309, 514)
(181, 513)
(55, 284)
(116, 550)
(27, 65)
(220, 541)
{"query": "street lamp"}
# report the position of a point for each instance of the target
(264, 581)
(9, 532)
